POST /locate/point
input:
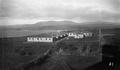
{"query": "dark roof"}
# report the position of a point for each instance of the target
(51, 34)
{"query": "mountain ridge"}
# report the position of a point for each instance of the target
(48, 24)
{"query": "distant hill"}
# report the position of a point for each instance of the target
(62, 25)
(37, 28)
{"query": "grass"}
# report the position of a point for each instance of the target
(73, 45)
(15, 50)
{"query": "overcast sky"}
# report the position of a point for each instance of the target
(31, 11)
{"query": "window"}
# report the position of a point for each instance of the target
(40, 38)
(29, 39)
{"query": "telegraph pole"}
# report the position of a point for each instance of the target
(100, 39)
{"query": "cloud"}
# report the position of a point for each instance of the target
(89, 10)
(115, 4)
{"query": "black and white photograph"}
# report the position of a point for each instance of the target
(59, 34)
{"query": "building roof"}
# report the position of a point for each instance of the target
(50, 34)
(41, 35)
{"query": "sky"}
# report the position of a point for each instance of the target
(14, 12)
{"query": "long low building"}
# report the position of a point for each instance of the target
(76, 35)
(55, 37)
(46, 38)
(80, 34)
(39, 39)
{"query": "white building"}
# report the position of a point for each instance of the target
(79, 36)
(71, 34)
(46, 38)
(87, 34)
(76, 35)
(39, 39)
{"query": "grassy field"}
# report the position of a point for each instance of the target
(66, 62)
(15, 50)
(81, 46)
(112, 39)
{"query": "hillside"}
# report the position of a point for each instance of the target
(50, 26)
